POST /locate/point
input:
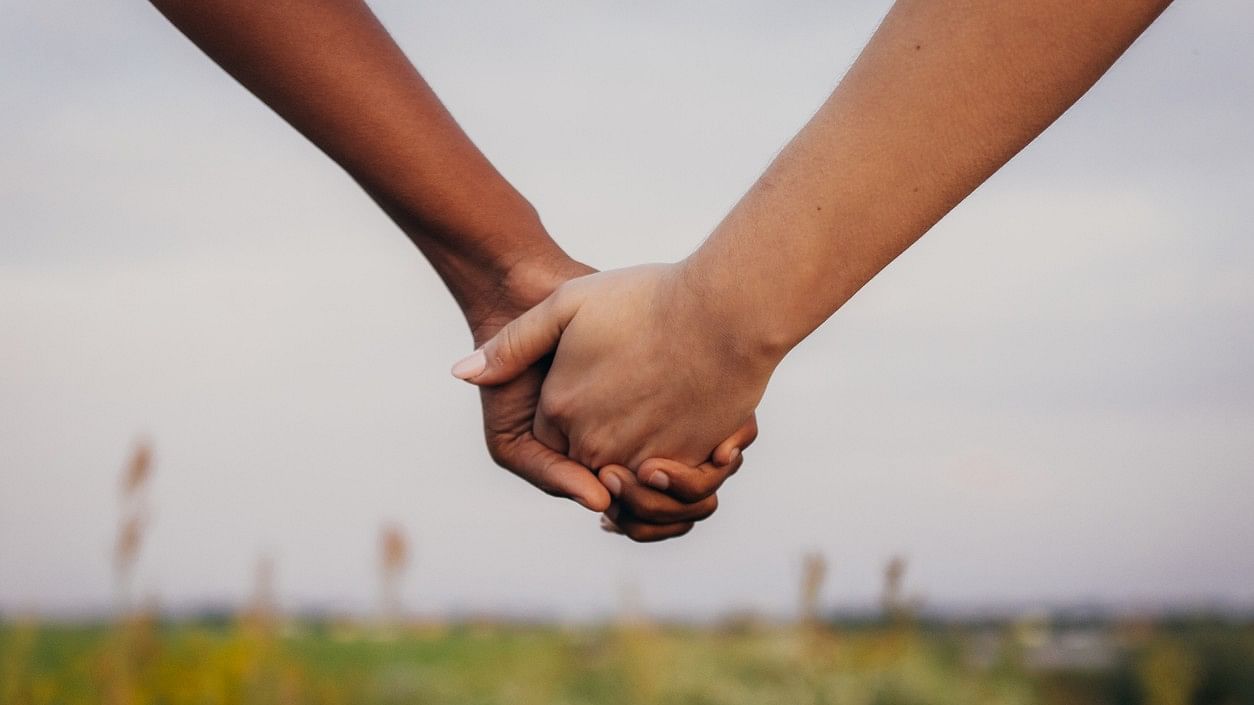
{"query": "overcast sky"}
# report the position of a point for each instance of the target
(1050, 398)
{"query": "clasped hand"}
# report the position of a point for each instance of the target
(639, 389)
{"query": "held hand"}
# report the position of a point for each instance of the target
(641, 371)
(509, 409)
(643, 513)
(678, 494)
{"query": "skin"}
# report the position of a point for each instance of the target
(664, 360)
(330, 69)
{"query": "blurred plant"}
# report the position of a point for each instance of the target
(132, 520)
(638, 650)
(817, 641)
(132, 634)
(494, 663)
(262, 611)
(895, 605)
(631, 611)
(813, 571)
(894, 576)
(902, 661)
(393, 560)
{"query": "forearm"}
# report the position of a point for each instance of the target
(942, 96)
(331, 70)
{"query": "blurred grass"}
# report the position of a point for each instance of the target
(259, 661)
(258, 657)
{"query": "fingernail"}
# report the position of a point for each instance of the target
(470, 366)
(609, 526)
(612, 483)
(733, 456)
(658, 480)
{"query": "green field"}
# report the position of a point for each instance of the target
(270, 661)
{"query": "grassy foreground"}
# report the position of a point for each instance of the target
(257, 661)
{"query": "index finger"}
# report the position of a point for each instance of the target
(690, 484)
(686, 483)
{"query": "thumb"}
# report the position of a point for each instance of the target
(519, 345)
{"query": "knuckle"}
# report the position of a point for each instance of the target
(707, 508)
(671, 532)
(500, 457)
(523, 462)
(701, 486)
(563, 295)
(501, 452)
(591, 451)
(509, 346)
(642, 506)
(554, 406)
(639, 534)
(689, 494)
(593, 459)
(559, 298)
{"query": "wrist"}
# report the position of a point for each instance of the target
(507, 291)
(704, 302)
(497, 267)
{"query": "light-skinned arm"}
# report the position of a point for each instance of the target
(942, 96)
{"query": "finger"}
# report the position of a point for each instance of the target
(520, 344)
(738, 441)
(553, 472)
(686, 483)
(649, 505)
(642, 532)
